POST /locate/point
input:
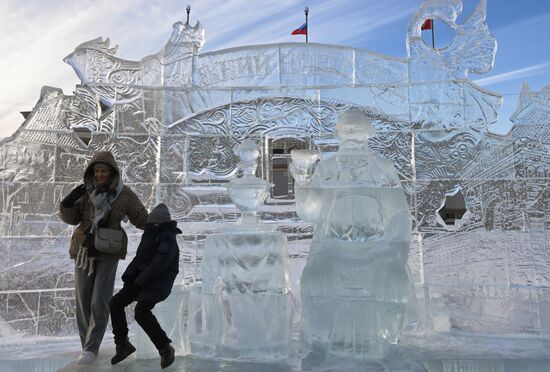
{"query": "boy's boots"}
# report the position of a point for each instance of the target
(166, 355)
(123, 350)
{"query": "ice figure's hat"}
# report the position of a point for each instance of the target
(354, 125)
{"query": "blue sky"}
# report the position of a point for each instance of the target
(37, 34)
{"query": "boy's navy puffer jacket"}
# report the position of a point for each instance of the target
(155, 266)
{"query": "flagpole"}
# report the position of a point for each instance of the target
(433, 34)
(306, 11)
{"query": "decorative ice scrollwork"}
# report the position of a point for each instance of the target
(109, 77)
(213, 156)
(442, 155)
(83, 110)
(472, 50)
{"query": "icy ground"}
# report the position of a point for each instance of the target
(45, 355)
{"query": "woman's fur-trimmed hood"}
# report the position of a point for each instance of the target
(101, 157)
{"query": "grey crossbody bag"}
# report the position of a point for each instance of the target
(108, 240)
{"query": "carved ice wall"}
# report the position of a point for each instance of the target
(173, 119)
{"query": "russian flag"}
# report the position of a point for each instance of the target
(302, 30)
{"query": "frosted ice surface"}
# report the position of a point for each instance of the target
(479, 269)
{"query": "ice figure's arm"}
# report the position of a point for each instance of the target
(309, 198)
(398, 217)
(137, 214)
(71, 215)
(399, 226)
(308, 204)
(167, 252)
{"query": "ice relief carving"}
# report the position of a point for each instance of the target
(174, 118)
(472, 50)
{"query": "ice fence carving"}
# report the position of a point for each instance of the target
(173, 118)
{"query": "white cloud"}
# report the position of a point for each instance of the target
(514, 74)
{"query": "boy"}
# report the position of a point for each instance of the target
(148, 280)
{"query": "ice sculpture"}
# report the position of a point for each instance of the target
(246, 309)
(355, 285)
(174, 117)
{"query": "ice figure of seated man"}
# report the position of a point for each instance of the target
(246, 303)
(355, 285)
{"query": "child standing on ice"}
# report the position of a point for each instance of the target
(148, 280)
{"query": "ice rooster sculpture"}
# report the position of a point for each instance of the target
(355, 285)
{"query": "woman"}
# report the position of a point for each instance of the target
(101, 202)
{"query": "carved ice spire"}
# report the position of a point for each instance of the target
(184, 33)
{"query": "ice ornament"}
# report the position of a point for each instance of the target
(245, 304)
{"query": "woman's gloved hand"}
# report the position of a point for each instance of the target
(73, 196)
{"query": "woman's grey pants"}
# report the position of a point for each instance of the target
(93, 294)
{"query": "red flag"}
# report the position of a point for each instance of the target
(427, 25)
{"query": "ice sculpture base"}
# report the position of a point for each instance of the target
(354, 296)
(244, 310)
(456, 346)
(474, 353)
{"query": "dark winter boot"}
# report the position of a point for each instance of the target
(166, 356)
(123, 351)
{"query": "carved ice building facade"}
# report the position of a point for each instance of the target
(172, 120)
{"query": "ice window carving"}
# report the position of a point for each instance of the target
(84, 134)
(452, 210)
(283, 183)
(442, 33)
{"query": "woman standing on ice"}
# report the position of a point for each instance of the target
(101, 202)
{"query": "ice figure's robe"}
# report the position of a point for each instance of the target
(355, 283)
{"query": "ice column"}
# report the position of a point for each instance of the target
(246, 308)
(355, 284)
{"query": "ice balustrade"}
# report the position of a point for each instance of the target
(172, 120)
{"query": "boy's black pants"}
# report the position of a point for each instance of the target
(143, 316)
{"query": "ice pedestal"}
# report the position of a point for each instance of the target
(355, 284)
(354, 297)
(246, 306)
